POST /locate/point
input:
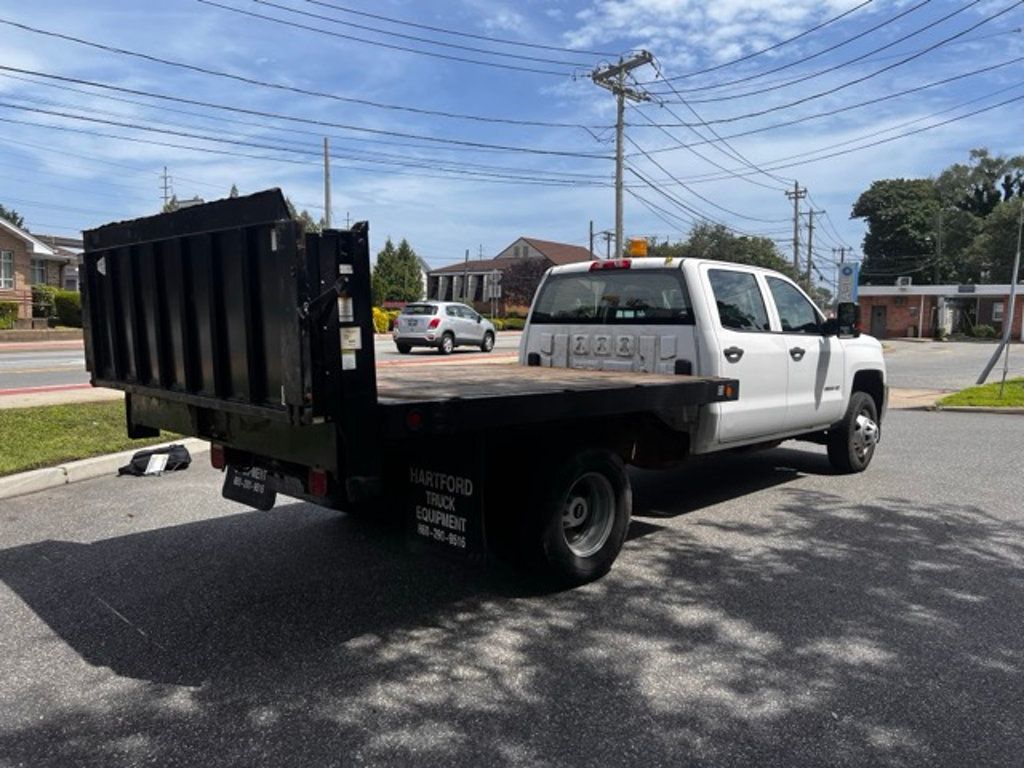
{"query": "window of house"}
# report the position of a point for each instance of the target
(739, 300)
(38, 272)
(997, 311)
(7, 269)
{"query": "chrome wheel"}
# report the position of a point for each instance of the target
(864, 435)
(588, 514)
(488, 344)
(447, 344)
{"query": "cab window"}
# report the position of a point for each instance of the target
(739, 300)
(796, 313)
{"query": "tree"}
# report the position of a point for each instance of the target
(13, 216)
(309, 224)
(992, 252)
(234, 191)
(715, 241)
(171, 205)
(519, 282)
(982, 183)
(397, 275)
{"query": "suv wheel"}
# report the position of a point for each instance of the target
(447, 344)
(488, 343)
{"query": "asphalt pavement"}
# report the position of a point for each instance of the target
(764, 612)
(946, 365)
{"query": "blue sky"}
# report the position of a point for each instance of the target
(76, 155)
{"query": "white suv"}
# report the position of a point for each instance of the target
(443, 325)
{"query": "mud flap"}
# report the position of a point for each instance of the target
(250, 487)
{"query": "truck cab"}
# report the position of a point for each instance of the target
(798, 375)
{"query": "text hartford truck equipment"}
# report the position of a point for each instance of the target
(225, 321)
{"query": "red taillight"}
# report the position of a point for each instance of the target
(217, 458)
(317, 482)
(611, 264)
(433, 323)
(414, 420)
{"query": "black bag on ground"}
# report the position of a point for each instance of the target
(178, 457)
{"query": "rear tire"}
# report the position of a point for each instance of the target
(488, 343)
(403, 349)
(585, 513)
(447, 344)
(851, 445)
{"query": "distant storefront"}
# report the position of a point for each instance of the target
(895, 311)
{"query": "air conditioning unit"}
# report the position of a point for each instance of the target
(903, 283)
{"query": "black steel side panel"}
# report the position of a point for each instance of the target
(202, 307)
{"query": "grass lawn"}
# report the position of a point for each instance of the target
(52, 434)
(987, 395)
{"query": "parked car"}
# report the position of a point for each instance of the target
(443, 325)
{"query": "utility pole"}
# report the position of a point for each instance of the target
(810, 244)
(167, 187)
(613, 78)
(796, 196)
(1008, 314)
(591, 239)
(348, 220)
(465, 278)
(938, 246)
(327, 185)
(607, 235)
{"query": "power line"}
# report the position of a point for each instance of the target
(390, 46)
(863, 78)
(416, 38)
(829, 49)
(770, 48)
(443, 30)
(276, 86)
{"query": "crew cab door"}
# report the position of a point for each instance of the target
(747, 350)
(815, 391)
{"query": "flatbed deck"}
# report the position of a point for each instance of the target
(482, 396)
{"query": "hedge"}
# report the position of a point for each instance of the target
(380, 320)
(68, 305)
(43, 300)
(8, 314)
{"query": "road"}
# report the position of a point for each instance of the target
(944, 365)
(62, 364)
(763, 612)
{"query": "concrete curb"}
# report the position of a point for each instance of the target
(1014, 411)
(86, 469)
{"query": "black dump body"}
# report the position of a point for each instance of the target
(225, 321)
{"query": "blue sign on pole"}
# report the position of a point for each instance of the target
(848, 279)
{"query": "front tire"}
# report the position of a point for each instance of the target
(403, 349)
(851, 445)
(447, 344)
(488, 342)
(585, 516)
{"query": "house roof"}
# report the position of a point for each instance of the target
(560, 253)
(476, 267)
(38, 247)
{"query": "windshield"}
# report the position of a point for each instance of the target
(420, 309)
(621, 297)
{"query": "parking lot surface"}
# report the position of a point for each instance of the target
(763, 613)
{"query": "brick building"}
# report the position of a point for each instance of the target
(894, 311)
(26, 260)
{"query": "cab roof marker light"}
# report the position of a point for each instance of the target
(611, 264)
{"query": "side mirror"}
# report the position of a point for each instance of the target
(847, 320)
(478, 319)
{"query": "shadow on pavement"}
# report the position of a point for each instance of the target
(824, 633)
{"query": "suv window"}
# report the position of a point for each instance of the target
(419, 309)
(739, 300)
(451, 310)
(620, 297)
(796, 313)
(467, 313)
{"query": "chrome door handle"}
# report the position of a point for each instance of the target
(797, 354)
(733, 354)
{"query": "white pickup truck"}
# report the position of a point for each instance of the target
(799, 376)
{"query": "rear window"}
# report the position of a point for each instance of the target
(420, 309)
(620, 297)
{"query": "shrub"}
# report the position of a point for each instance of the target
(513, 324)
(68, 306)
(8, 314)
(42, 301)
(498, 323)
(984, 332)
(380, 320)
(517, 311)
(393, 317)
